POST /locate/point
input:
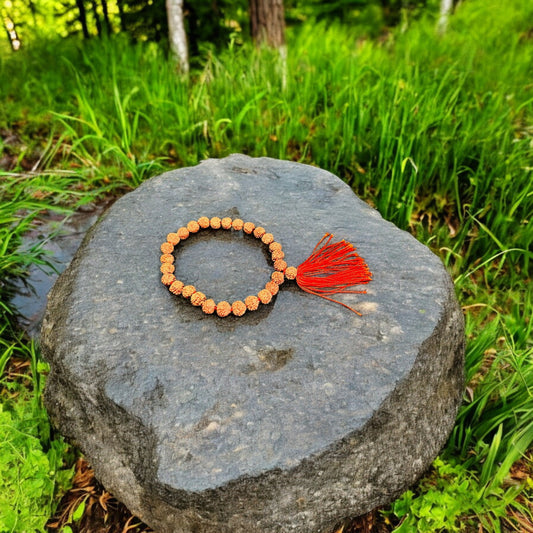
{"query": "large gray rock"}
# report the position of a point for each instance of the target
(286, 419)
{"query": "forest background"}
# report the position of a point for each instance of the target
(429, 119)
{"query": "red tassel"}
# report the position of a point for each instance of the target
(331, 269)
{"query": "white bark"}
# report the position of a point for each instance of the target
(445, 10)
(176, 33)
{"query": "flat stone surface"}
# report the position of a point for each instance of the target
(286, 419)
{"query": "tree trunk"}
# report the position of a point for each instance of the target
(446, 7)
(121, 16)
(96, 18)
(176, 34)
(267, 22)
(33, 10)
(82, 18)
(107, 24)
(12, 34)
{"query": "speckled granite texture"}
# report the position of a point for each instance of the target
(287, 419)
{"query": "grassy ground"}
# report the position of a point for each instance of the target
(435, 131)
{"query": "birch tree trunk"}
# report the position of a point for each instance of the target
(446, 7)
(267, 22)
(176, 34)
(11, 32)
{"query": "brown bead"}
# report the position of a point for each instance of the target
(167, 268)
(237, 224)
(272, 287)
(252, 302)
(215, 223)
(198, 298)
(208, 306)
(167, 258)
(176, 287)
(290, 272)
(280, 265)
(173, 238)
(265, 296)
(248, 227)
(168, 279)
(188, 291)
(267, 238)
(259, 232)
(278, 254)
(277, 277)
(273, 246)
(238, 308)
(193, 226)
(203, 222)
(226, 222)
(167, 248)
(183, 233)
(223, 309)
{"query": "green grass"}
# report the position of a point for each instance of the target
(435, 131)
(34, 461)
(32, 458)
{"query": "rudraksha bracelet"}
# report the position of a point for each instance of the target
(331, 268)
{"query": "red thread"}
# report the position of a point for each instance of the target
(332, 268)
